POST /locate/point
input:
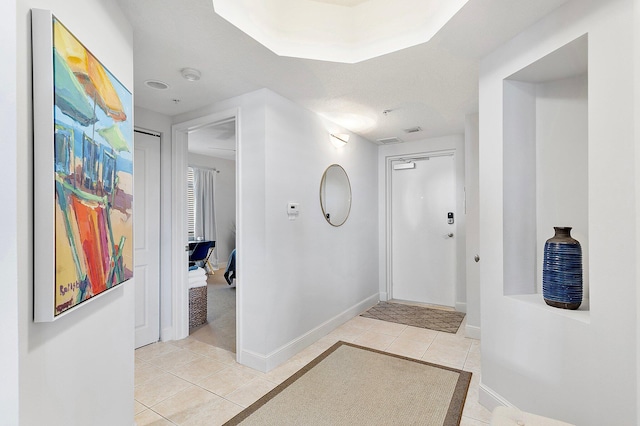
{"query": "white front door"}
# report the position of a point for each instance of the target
(147, 238)
(423, 241)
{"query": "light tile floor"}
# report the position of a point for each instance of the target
(188, 382)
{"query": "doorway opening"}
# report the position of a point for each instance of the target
(181, 135)
(211, 213)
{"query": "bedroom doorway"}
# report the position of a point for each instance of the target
(181, 134)
(212, 155)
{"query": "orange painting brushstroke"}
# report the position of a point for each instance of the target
(93, 243)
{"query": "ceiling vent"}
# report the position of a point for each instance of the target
(413, 129)
(387, 141)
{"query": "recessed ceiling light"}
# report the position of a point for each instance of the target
(190, 74)
(157, 84)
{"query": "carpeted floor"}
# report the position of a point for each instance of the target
(416, 316)
(353, 385)
(220, 328)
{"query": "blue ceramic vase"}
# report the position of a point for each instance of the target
(562, 270)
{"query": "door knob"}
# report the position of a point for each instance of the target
(450, 235)
(476, 258)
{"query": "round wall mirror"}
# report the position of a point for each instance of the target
(335, 195)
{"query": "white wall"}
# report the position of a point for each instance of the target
(316, 271)
(577, 367)
(471, 189)
(8, 219)
(636, 119)
(225, 201)
(545, 175)
(77, 370)
(297, 279)
(519, 202)
(456, 144)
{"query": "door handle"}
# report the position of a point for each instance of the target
(476, 258)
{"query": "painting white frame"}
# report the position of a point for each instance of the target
(44, 238)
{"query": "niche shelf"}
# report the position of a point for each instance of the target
(545, 167)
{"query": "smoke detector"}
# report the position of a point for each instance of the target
(190, 74)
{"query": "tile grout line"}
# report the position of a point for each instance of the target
(193, 384)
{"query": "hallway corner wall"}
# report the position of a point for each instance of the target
(77, 370)
(315, 271)
(588, 356)
(9, 302)
(297, 279)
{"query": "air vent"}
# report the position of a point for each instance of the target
(387, 141)
(413, 129)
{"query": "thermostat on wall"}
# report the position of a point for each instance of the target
(293, 210)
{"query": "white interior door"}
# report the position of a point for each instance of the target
(147, 238)
(423, 242)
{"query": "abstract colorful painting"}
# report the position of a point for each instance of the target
(92, 174)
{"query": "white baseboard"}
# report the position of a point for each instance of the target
(270, 361)
(461, 307)
(384, 296)
(472, 332)
(490, 399)
(166, 334)
(253, 360)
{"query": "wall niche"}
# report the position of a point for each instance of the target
(545, 158)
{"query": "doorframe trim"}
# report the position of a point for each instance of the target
(179, 275)
(388, 168)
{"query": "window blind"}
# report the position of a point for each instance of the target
(191, 212)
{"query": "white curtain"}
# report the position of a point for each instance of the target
(204, 184)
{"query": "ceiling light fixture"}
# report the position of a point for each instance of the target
(190, 74)
(156, 84)
(339, 139)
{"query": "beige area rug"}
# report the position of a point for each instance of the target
(353, 385)
(416, 316)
